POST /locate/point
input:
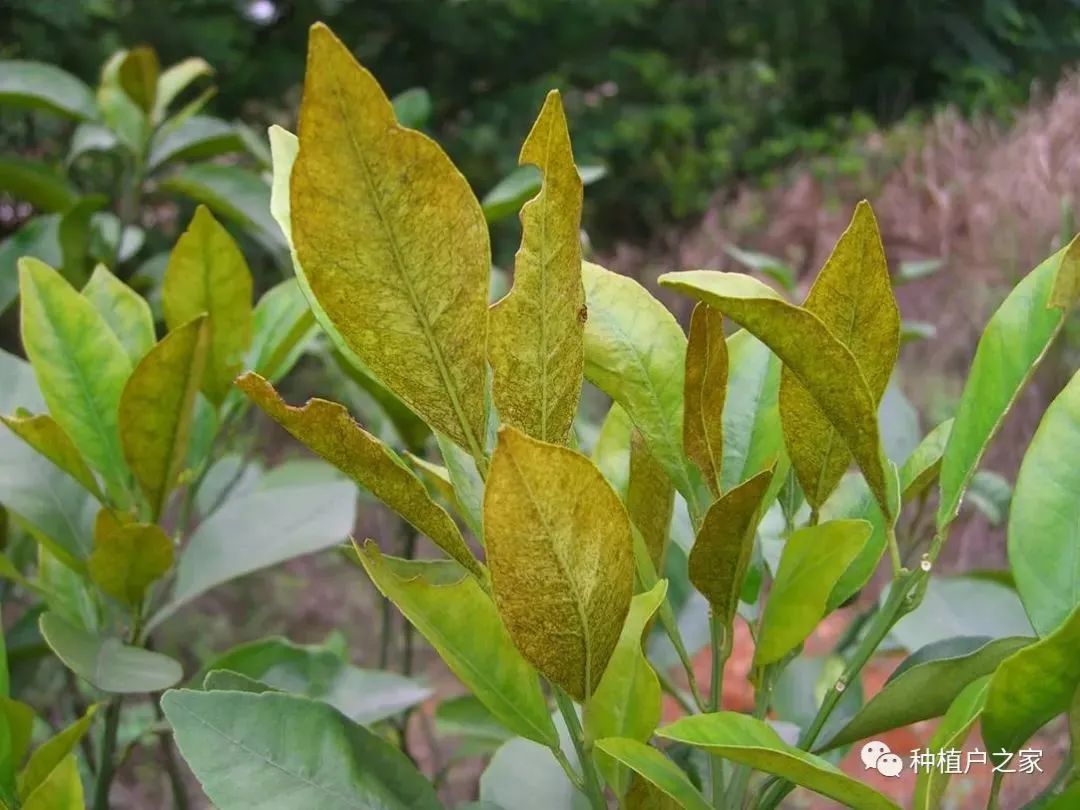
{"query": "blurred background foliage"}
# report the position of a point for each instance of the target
(676, 99)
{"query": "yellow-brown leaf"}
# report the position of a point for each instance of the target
(128, 556)
(704, 389)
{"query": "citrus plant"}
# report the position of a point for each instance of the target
(759, 451)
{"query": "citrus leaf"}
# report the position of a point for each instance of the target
(634, 353)
(650, 498)
(753, 439)
(611, 453)
(853, 297)
(175, 79)
(626, 702)
(198, 137)
(106, 663)
(535, 343)
(459, 620)
(61, 790)
(1045, 513)
(823, 365)
(282, 328)
(156, 409)
(43, 86)
(329, 430)
(749, 741)
(705, 387)
(561, 558)
(1011, 346)
(923, 465)
(724, 544)
(814, 558)
(657, 769)
(128, 557)
(270, 750)
(80, 365)
(125, 311)
(36, 183)
(207, 274)
(47, 437)
(138, 76)
(375, 210)
(1032, 686)
(930, 783)
(925, 684)
(51, 753)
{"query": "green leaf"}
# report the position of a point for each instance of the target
(38, 238)
(852, 500)
(61, 790)
(749, 741)
(705, 387)
(509, 194)
(525, 776)
(990, 493)
(261, 528)
(222, 680)
(175, 79)
(46, 437)
(1032, 686)
(197, 138)
(128, 557)
(36, 183)
(272, 751)
(329, 430)
(853, 297)
(611, 453)
(724, 544)
(107, 663)
(233, 193)
(752, 436)
(657, 769)
(90, 137)
(459, 620)
(626, 702)
(282, 328)
(650, 499)
(1045, 513)
(412, 108)
(813, 560)
(467, 483)
(923, 465)
(374, 207)
(80, 365)
(561, 557)
(535, 334)
(42, 86)
(138, 76)
(926, 684)
(950, 734)
(1011, 346)
(75, 234)
(468, 719)
(776, 269)
(156, 409)
(16, 729)
(823, 365)
(1066, 800)
(207, 274)
(634, 352)
(318, 672)
(124, 310)
(51, 754)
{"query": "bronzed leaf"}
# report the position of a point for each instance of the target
(392, 244)
(650, 498)
(853, 297)
(128, 557)
(561, 558)
(704, 389)
(535, 338)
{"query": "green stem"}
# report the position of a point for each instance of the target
(720, 643)
(992, 803)
(678, 694)
(592, 789)
(172, 768)
(762, 698)
(108, 752)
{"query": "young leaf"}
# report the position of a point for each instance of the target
(51, 753)
(950, 734)
(626, 702)
(650, 498)
(561, 558)
(467, 483)
(752, 435)
(175, 79)
(1032, 686)
(156, 409)
(925, 684)
(1044, 515)
(823, 365)
(813, 560)
(704, 389)
(634, 353)
(43, 86)
(329, 430)
(47, 437)
(657, 769)
(79, 363)
(282, 327)
(924, 463)
(61, 790)
(853, 297)
(207, 274)
(1011, 346)
(375, 211)
(125, 311)
(749, 741)
(852, 500)
(106, 663)
(535, 342)
(263, 751)
(128, 557)
(453, 613)
(138, 75)
(723, 546)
